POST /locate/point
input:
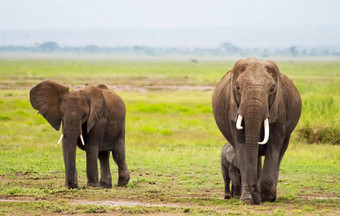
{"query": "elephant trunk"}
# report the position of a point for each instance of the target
(69, 152)
(252, 133)
(254, 112)
(71, 132)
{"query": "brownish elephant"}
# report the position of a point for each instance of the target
(94, 119)
(248, 101)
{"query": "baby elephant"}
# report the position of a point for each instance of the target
(93, 118)
(230, 171)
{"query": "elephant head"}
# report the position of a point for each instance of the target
(76, 110)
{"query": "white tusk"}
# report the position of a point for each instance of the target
(82, 139)
(266, 132)
(61, 137)
(239, 122)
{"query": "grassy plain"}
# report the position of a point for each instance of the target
(173, 145)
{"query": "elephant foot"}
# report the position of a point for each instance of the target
(92, 184)
(122, 181)
(71, 181)
(71, 186)
(255, 195)
(227, 196)
(246, 198)
(268, 196)
(236, 192)
(105, 184)
(250, 195)
(268, 193)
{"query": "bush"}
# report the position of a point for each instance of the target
(320, 135)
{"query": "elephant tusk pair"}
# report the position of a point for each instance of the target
(266, 129)
(81, 139)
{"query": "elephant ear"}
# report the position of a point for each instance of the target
(102, 87)
(238, 68)
(46, 97)
(275, 106)
(224, 100)
(233, 108)
(97, 105)
(231, 156)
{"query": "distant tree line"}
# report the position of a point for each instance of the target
(225, 49)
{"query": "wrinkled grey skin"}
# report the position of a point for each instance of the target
(95, 112)
(230, 171)
(256, 90)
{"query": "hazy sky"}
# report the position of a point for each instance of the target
(179, 23)
(64, 14)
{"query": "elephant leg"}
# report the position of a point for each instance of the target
(235, 177)
(92, 165)
(283, 150)
(270, 173)
(118, 154)
(269, 181)
(226, 179)
(105, 175)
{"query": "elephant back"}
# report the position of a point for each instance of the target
(114, 104)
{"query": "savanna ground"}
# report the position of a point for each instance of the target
(172, 143)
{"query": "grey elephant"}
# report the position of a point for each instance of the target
(257, 108)
(92, 118)
(230, 171)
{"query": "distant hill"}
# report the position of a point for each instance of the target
(188, 38)
(224, 49)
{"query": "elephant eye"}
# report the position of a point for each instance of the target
(84, 116)
(238, 87)
(272, 89)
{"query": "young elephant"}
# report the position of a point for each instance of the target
(94, 119)
(230, 171)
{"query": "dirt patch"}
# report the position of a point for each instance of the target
(18, 199)
(28, 84)
(101, 203)
(320, 198)
(129, 88)
(152, 88)
(123, 203)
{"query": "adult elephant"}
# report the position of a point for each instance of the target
(94, 119)
(251, 98)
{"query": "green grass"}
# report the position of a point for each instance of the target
(17, 72)
(172, 142)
